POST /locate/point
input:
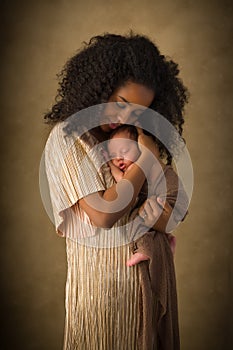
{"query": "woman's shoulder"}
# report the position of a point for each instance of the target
(56, 134)
(59, 137)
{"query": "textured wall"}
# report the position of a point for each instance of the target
(37, 38)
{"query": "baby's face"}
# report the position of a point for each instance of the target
(123, 151)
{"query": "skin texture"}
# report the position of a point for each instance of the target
(120, 111)
(152, 207)
(137, 94)
(115, 68)
(123, 151)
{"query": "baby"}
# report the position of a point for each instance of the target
(123, 151)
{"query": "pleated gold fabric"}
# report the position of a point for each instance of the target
(102, 293)
(110, 306)
(102, 311)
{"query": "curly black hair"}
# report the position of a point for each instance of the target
(106, 63)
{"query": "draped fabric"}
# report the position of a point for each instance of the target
(104, 297)
(158, 299)
(102, 311)
(101, 291)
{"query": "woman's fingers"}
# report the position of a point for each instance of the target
(146, 141)
(145, 210)
(155, 209)
(164, 205)
(140, 131)
(150, 211)
(138, 126)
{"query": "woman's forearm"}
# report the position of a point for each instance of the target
(106, 207)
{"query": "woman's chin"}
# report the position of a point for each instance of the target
(113, 126)
(109, 127)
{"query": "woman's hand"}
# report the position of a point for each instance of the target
(146, 141)
(156, 212)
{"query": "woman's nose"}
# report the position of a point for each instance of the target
(123, 117)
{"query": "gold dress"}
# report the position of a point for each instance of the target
(110, 306)
(102, 293)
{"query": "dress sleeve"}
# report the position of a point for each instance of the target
(73, 172)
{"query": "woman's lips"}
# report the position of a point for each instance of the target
(113, 125)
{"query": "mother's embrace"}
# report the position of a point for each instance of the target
(109, 305)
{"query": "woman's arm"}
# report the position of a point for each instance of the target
(116, 172)
(104, 208)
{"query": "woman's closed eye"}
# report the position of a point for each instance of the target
(121, 104)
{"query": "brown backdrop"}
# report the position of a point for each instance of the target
(37, 38)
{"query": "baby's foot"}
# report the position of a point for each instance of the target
(172, 242)
(136, 258)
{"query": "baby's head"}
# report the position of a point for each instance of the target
(122, 146)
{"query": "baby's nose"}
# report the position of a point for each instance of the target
(119, 157)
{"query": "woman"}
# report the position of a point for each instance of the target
(107, 304)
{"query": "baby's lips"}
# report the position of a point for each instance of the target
(122, 166)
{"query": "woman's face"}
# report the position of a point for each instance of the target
(123, 108)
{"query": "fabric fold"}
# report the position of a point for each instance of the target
(158, 327)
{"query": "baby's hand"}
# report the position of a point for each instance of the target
(172, 241)
(116, 172)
